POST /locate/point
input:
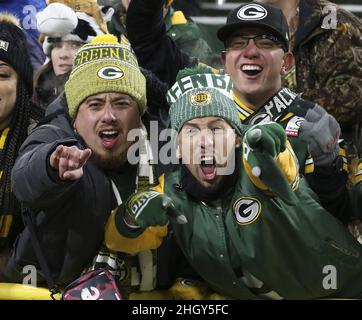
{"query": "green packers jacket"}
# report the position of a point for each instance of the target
(253, 246)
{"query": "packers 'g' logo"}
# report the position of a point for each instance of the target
(110, 73)
(200, 99)
(246, 210)
(252, 12)
(260, 118)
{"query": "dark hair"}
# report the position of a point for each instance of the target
(24, 114)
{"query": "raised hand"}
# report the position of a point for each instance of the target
(69, 161)
(321, 132)
(262, 144)
(269, 138)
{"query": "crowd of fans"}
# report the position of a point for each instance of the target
(260, 185)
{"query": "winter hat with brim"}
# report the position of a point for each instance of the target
(14, 50)
(104, 65)
(252, 14)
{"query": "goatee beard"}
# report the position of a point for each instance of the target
(113, 161)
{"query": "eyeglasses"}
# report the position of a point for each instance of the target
(262, 41)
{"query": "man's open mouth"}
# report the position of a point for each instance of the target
(208, 167)
(109, 138)
(251, 69)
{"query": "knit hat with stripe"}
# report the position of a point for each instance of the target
(199, 102)
(104, 65)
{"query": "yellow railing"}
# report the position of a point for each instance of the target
(14, 291)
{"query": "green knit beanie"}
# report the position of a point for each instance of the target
(202, 101)
(104, 65)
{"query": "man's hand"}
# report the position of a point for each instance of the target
(267, 138)
(150, 208)
(262, 144)
(69, 161)
(321, 132)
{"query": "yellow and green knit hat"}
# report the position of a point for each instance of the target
(104, 65)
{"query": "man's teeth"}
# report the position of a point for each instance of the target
(109, 133)
(207, 160)
(251, 68)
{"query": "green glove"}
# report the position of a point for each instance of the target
(150, 208)
(269, 138)
(262, 144)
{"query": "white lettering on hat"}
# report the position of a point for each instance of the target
(252, 12)
(110, 73)
(4, 45)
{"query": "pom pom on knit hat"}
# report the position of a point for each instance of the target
(14, 50)
(104, 65)
(199, 92)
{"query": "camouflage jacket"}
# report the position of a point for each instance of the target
(328, 60)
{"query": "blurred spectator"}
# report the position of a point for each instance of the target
(17, 116)
(64, 31)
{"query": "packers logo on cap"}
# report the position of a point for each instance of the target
(252, 12)
(110, 73)
(200, 99)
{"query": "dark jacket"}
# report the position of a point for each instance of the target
(73, 214)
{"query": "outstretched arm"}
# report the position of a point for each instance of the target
(141, 223)
(146, 32)
(36, 180)
(270, 161)
(321, 132)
